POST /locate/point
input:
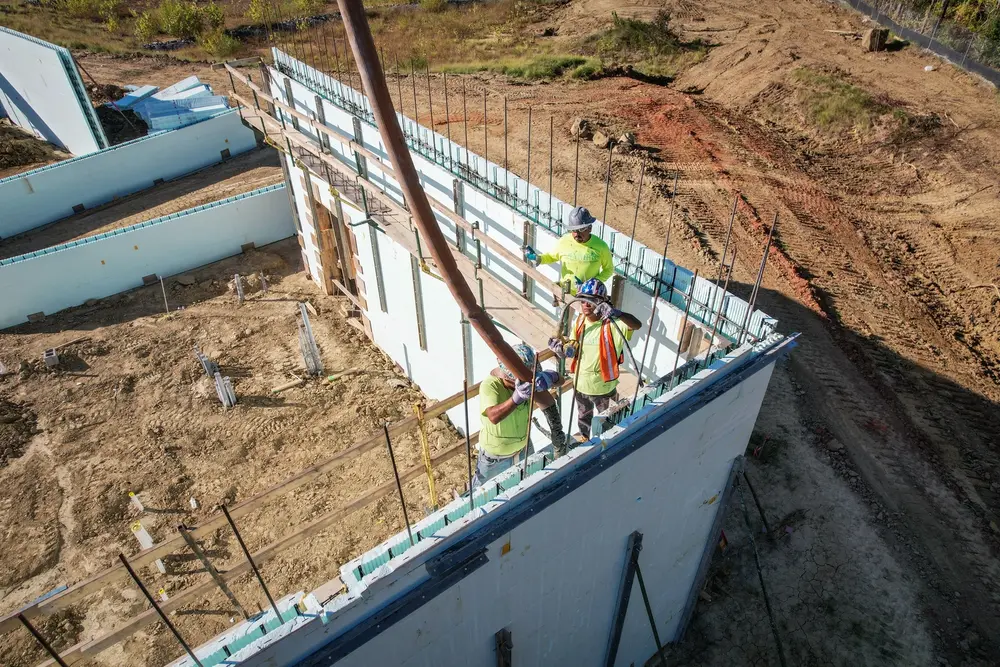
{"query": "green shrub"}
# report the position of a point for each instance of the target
(306, 7)
(181, 19)
(219, 44)
(107, 11)
(637, 38)
(213, 17)
(434, 5)
(146, 26)
(257, 12)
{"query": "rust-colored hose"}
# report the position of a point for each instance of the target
(373, 80)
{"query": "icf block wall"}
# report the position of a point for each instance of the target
(48, 194)
(502, 224)
(41, 91)
(553, 579)
(99, 266)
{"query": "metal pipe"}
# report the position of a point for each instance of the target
(725, 253)
(41, 640)
(659, 282)
(680, 335)
(253, 565)
(551, 135)
(718, 316)
(635, 218)
(163, 617)
(373, 80)
(399, 485)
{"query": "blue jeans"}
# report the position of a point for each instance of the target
(488, 467)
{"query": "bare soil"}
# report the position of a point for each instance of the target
(130, 409)
(243, 173)
(22, 151)
(875, 453)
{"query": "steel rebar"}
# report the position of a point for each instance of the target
(756, 286)
(447, 123)
(430, 106)
(680, 335)
(253, 565)
(551, 137)
(527, 178)
(465, 123)
(399, 485)
(214, 573)
(163, 617)
(41, 640)
(649, 612)
(607, 187)
(635, 218)
(576, 169)
(659, 282)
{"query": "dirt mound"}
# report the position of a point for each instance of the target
(102, 93)
(19, 148)
(17, 424)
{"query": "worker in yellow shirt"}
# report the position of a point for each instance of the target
(505, 413)
(600, 345)
(581, 254)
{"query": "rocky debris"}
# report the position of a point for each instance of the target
(186, 280)
(581, 128)
(834, 445)
(601, 140)
(875, 39)
(627, 139)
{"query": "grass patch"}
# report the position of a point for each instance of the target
(832, 103)
(539, 67)
(652, 48)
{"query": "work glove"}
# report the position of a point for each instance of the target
(522, 392)
(556, 345)
(531, 256)
(546, 380)
(606, 311)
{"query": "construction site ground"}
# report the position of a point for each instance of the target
(874, 457)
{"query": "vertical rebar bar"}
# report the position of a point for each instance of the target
(718, 316)
(214, 573)
(468, 438)
(531, 407)
(576, 169)
(656, 287)
(430, 105)
(41, 640)
(607, 187)
(527, 178)
(399, 485)
(725, 251)
(760, 276)
(551, 137)
(416, 117)
(164, 289)
(486, 140)
(635, 218)
(505, 163)
(649, 613)
(465, 123)
(447, 123)
(253, 565)
(680, 335)
(163, 617)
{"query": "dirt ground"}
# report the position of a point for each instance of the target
(875, 458)
(243, 173)
(22, 151)
(131, 410)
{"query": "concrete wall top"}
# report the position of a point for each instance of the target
(41, 91)
(40, 196)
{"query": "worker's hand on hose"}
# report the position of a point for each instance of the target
(606, 311)
(546, 380)
(556, 345)
(522, 392)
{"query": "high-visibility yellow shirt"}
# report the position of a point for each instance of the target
(592, 259)
(511, 434)
(591, 383)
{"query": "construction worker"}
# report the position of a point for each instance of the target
(582, 255)
(504, 410)
(599, 340)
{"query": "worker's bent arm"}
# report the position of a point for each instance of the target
(629, 320)
(550, 258)
(497, 413)
(607, 266)
(543, 399)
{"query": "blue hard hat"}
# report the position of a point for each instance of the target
(593, 289)
(526, 354)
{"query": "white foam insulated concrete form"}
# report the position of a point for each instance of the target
(42, 92)
(66, 275)
(438, 369)
(544, 559)
(56, 191)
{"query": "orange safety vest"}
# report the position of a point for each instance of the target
(610, 358)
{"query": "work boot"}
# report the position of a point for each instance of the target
(557, 435)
